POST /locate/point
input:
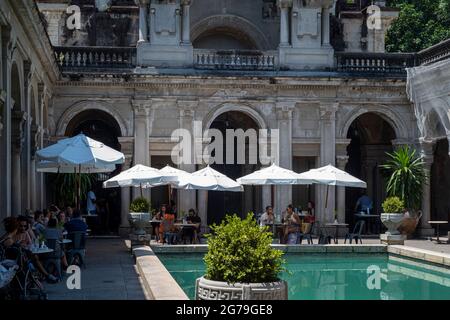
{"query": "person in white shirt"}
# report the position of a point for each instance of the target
(91, 206)
(267, 218)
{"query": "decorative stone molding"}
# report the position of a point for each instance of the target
(36, 134)
(327, 111)
(284, 3)
(341, 162)
(285, 110)
(18, 121)
(216, 290)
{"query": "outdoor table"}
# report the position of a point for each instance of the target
(437, 223)
(369, 217)
(65, 241)
(41, 250)
(278, 229)
(155, 223)
(336, 226)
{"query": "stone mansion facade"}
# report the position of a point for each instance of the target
(133, 72)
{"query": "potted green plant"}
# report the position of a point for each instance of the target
(241, 264)
(392, 215)
(139, 216)
(406, 177)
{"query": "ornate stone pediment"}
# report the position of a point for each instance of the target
(230, 93)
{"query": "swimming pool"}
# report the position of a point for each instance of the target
(337, 276)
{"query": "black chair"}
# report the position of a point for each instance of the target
(356, 234)
(187, 233)
(324, 237)
(308, 235)
(77, 251)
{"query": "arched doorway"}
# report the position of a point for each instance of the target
(102, 127)
(222, 203)
(440, 184)
(371, 138)
(224, 38)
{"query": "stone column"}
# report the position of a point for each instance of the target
(17, 141)
(283, 194)
(36, 132)
(125, 194)
(327, 156)
(141, 139)
(187, 198)
(341, 163)
(427, 153)
(186, 20)
(284, 22)
(326, 27)
(143, 20)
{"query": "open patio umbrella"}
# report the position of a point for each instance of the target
(208, 179)
(273, 175)
(172, 177)
(139, 176)
(332, 176)
(79, 154)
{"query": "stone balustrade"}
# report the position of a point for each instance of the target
(435, 53)
(81, 59)
(235, 60)
(374, 63)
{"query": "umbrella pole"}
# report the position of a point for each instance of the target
(170, 193)
(75, 181)
(326, 199)
(79, 187)
(140, 187)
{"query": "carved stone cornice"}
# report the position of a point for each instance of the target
(141, 107)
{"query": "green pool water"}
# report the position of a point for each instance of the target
(338, 277)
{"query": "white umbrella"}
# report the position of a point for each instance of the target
(77, 155)
(137, 176)
(81, 151)
(172, 177)
(332, 176)
(273, 175)
(208, 179)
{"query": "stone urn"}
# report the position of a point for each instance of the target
(218, 290)
(392, 221)
(139, 221)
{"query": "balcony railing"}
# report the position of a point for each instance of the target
(435, 53)
(235, 60)
(374, 63)
(79, 59)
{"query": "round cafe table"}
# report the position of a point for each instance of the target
(336, 226)
(437, 223)
(41, 250)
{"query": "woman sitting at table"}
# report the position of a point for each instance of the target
(293, 223)
(13, 245)
(167, 228)
(52, 232)
(310, 213)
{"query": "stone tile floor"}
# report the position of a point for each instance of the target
(110, 274)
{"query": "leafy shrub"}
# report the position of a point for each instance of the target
(393, 205)
(240, 251)
(140, 205)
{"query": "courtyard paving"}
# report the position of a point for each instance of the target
(110, 274)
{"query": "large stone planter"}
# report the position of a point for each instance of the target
(392, 221)
(217, 290)
(139, 221)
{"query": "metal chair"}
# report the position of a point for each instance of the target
(52, 261)
(324, 237)
(308, 235)
(77, 251)
(356, 234)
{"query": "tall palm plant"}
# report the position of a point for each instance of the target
(406, 176)
(66, 185)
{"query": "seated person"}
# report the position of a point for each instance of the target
(10, 243)
(364, 204)
(267, 218)
(167, 228)
(22, 235)
(293, 225)
(76, 224)
(197, 221)
(52, 232)
(39, 225)
(310, 213)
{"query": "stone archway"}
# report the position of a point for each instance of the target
(371, 137)
(222, 203)
(101, 126)
(233, 26)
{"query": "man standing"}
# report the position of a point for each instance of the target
(91, 206)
